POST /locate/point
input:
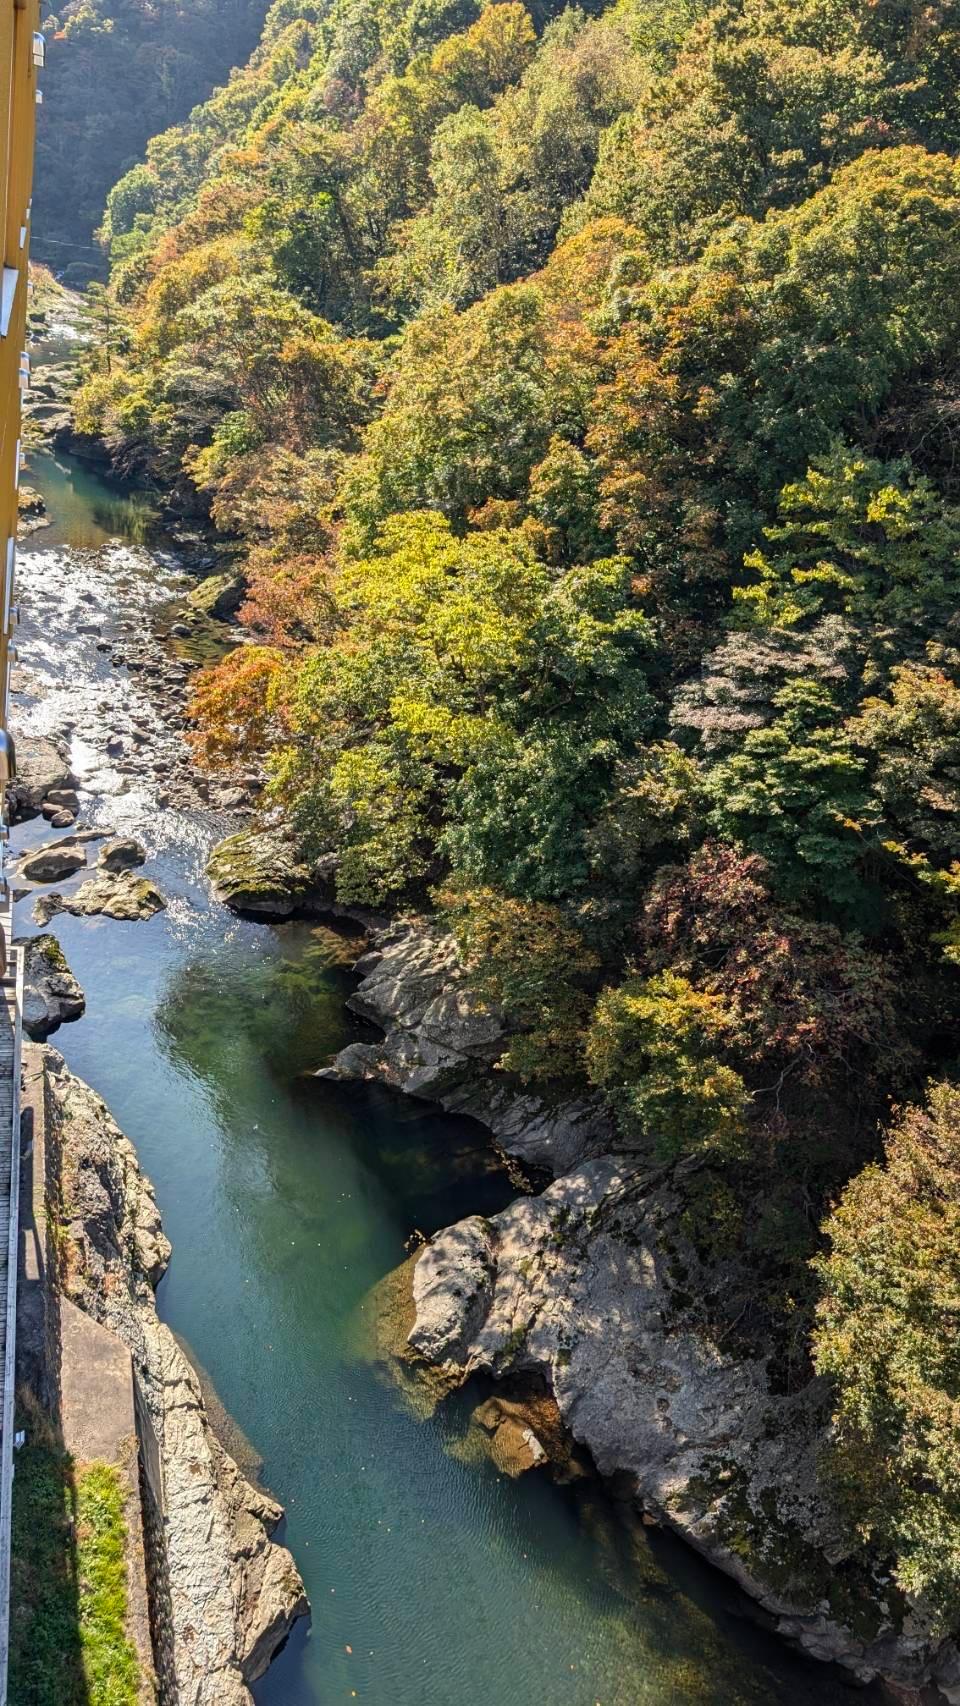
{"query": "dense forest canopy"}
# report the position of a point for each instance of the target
(582, 388)
(117, 71)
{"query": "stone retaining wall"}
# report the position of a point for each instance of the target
(81, 1372)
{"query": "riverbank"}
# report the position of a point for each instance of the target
(222, 1596)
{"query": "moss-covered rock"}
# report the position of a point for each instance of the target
(219, 596)
(116, 894)
(51, 994)
(262, 873)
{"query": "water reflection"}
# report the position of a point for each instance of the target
(84, 511)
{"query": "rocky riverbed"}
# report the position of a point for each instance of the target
(99, 720)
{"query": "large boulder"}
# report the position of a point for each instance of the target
(261, 873)
(219, 596)
(116, 894)
(51, 994)
(122, 854)
(41, 767)
(50, 864)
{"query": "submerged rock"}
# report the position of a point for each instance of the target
(117, 894)
(51, 994)
(122, 854)
(513, 1444)
(260, 872)
(232, 1593)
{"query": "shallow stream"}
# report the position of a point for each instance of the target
(434, 1581)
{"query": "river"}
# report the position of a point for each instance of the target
(434, 1581)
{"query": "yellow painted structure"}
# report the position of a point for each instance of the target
(21, 54)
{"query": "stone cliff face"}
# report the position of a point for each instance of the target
(440, 1043)
(579, 1288)
(231, 1594)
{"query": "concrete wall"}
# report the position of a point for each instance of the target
(81, 1372)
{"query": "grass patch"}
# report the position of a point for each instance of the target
(69, 1644)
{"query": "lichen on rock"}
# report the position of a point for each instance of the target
(117, 894)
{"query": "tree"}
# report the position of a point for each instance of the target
(886, 1337)
(911, 736)
(823, 1009)
(869, 541)
(796, 793)
(234, 705)
(529, 960)
(653, 1048)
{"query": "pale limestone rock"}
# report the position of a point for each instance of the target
(575, 1288)
(442, 1042)
(117, 894)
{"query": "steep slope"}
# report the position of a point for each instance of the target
(581, 392)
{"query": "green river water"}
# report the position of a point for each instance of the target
(287, 1199)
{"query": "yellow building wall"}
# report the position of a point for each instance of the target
(19, 21)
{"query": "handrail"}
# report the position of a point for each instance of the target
(7, 1414)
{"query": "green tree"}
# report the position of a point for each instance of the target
(886, 1337)
(796, 793)
(653, 1047)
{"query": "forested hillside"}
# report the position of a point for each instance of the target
(117, 71)
(583, 388)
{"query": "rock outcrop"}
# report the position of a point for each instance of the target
(260, 872)
(584, 1293)
(441, 1043)
(577, 1288)
(41, 767)
(218, 596)
(51, 994)
(232, 1593)
(117, 894)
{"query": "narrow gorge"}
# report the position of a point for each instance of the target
(224, 1049)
